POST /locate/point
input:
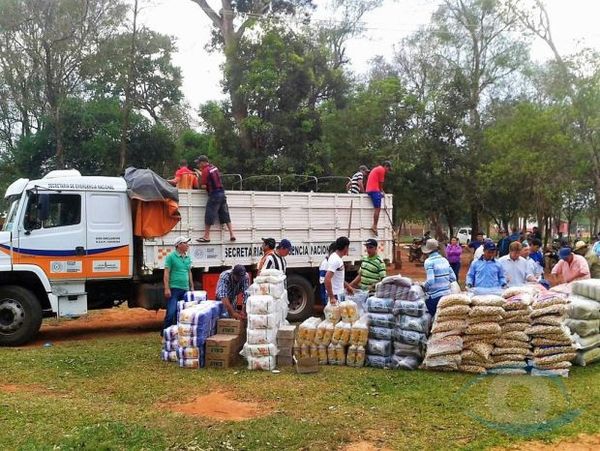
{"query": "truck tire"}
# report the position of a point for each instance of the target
(20, 315)
(301, 295)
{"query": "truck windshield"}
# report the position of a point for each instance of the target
(13, 202)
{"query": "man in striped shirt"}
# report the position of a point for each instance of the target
(356, 185)
(276, 260)
(372, 268)
(439, 275)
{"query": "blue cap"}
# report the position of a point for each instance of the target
(564, 252)
(285, 244)
(489, 246)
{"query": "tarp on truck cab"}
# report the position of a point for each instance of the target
(154, 203)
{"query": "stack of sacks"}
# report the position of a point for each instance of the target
(411, 329)
(589, 288)
(445, 345)
(196, 324)
(272, 282)
(393, 287)
(336, 351)
(513, 348)
(482, 331)
(170, 344)
(583, 321)
(264, 319)
(359, 337)
(553, 349)
(190, 299)
(381, 327)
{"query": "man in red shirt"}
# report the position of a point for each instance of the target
(184, 173)
(210, 179)
(375, 190)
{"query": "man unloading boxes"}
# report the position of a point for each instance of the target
(232, 285)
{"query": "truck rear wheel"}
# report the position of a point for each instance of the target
(301, 296)
(20, 315)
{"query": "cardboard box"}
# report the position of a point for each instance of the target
(226, 326)
(221, 361)
(285, 342)
(284, 360)
(286, 332)
(221, 346)
(306, 365)
(285, 351)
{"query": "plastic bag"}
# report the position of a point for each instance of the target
(195, 296)
(359, 333)
(409, 337)
(380, 333)
(550, 373)
(404, 362)
(188, 353)
(349, 311)
(586, 343)
(444, 346)
(378, 361)
(200, 318)
(403, 349)
(170, 345)
(261, 336)
(555, 309)
(379, 347)
(583, 308)
(446, 362)
(189, 330)
(260, 305)
(586, 357)
(422, 324)
(454, 299)
(487, 300)
(265, 350)
(332, 312)
(483, 328)
(453, 311)
(341, 333)
(487, 310)
(261, 363)
(411, 308)
(381, 320)
(324, 333)
(170, 333)
(322, 354)
(191, 342)
(415, 293)
(189, 363)
(582, 327)
(308, 330)
(274, 279)
(360, 297)
(379, 305)
(169, 356)
(331, 355)
(444, 326)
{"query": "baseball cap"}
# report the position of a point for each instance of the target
(181, 239)
(239, 271)
(201, 158)
(269, 242)
(371, 242)
(564, 252)
(387, 163)
(489, 246)
(284, 244)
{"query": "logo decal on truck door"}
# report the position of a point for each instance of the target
(106, 266)
(65, 266)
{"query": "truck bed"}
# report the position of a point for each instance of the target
(311, 221)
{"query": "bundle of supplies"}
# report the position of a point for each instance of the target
(381, 326)
(583, 320)
(412, 324)
(393, 287)
(285, 343)
(267, 309)
(553, 348)
(170, 344)
(445, 346)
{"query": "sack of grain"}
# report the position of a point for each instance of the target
(404, 362)
(380, 305)
(444, 326)
(483, 328)
(382, 320)
(453, 311)
(586, 357)
(379, 348)
(380, 333)
(409, 337)
(580, 307)
(422, 324)
(453, 299)
(582, 327)
(378, 361)
(411, 308)
(487, 300)
(403, 349)
(261, 363)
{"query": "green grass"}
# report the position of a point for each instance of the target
(111, 393)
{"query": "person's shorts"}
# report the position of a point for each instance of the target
(216, 207)
(376, 197)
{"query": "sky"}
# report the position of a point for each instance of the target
(574, 26)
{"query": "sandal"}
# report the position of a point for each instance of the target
(203, 240)
(232, 238)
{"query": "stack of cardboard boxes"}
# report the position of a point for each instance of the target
(222, 349)
(285, 343)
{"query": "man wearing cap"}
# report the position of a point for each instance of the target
(177, 278)
(517, 270)
(486, 272)
(580, 248)
(216, 207)
(276, 260)
(356, 184)
(372, 268)
(335, 278)
(268, 247)
(439, 275)
(570, 267)
(375, 191)
(233, 283)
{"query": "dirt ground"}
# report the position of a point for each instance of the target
(582, 442)
(100, 323)
(220, 406)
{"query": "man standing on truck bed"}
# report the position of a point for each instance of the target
(375, 190)
(231, 284)
(356, 185)
(210, 179)
(177, 278)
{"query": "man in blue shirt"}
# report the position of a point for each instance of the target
(439, 275)
(503, 243)
(514, 236)
(478, 241)
(486, 272)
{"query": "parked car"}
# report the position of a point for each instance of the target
(464, 235)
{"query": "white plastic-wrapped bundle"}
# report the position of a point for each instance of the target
(169, 356)
(189, 363)
(189, 353)
(359, 332)
(379, 305)
(270, 321)
(324, 333)
(341, 333)
(260, 304)
(349, 311)
(190, 342)
(170, 345)
(261, 336)
(307, 331)
(171, 333)
(195, 296)
(590, 288)
(264, 350)
(261, 363)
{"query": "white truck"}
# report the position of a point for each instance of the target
(67, 245)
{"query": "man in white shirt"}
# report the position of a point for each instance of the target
(335, 278)
(534, 266)
(516, 269)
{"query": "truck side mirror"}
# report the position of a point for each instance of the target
(43, 206)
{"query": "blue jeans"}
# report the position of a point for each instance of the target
(456, 268)
(432, 304)
(177, 294)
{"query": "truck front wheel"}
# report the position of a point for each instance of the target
(301, 296)
(20, 315)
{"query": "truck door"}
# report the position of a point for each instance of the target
(109, 235)
(52, 234)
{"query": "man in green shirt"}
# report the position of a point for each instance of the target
(177, 278)
(372, 268)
